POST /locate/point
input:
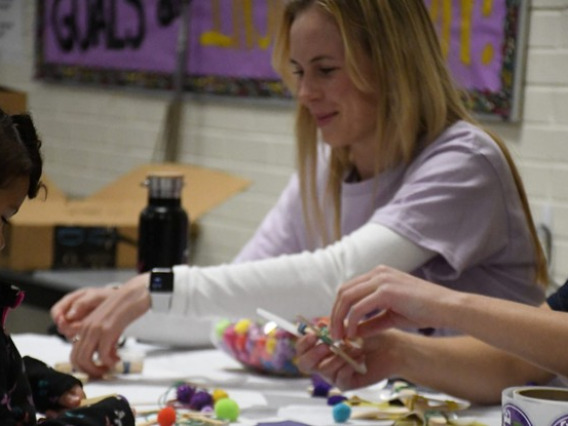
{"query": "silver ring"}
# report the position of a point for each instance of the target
(75, 338)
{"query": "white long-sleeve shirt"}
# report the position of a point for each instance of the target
(453, 216)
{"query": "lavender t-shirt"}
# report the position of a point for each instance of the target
(457, 198)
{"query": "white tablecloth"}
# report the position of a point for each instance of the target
(261, 398)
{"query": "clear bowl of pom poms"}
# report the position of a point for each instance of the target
(262, 347)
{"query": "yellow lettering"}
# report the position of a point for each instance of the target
(487, 55)
(250, 32)
(488, 51)
(244, 34)
(215, 37)
(487, 7)
(441, 14)
(275, 9)
(465, 31)
(237, 23)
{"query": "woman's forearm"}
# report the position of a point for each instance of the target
(463, 366)
(534, 334)
(302, 283)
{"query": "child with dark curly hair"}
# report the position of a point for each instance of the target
(28, 386)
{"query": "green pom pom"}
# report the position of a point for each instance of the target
(227, 409)
(220, 327)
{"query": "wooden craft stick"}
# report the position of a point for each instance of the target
(185, 415)
(281, 322)
(121, 367)
(291, 328)
(358, 367)
(204, 419)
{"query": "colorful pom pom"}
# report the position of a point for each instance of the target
(167, 416)
(320, 386)
(227, 409)
(184, 393)
(270, 345)
(341, 412)
(200, 399)
(220, 327)
(335, 399)
(242, 326)
(219, 394)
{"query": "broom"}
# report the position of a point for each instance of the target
(168, 147)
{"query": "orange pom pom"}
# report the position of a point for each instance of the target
(167, 416)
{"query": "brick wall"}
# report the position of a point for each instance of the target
(93, 135)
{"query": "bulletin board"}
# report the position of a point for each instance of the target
(134, 43)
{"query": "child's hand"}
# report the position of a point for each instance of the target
(70, 399)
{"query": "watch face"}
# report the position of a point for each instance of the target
(162, 281)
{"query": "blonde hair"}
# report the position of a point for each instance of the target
(417, 102)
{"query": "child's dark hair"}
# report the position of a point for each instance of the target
(20, 153)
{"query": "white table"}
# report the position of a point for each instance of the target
(261, 398)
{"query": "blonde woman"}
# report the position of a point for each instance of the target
(391, 170)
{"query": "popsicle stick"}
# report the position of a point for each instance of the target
(358, 367)
(291, 328)
(281, 322)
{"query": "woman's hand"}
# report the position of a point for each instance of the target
(398, 300)
(70, 399)
(95, 340)
(69, 312)
(378, 354)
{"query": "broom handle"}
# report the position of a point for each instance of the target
(172, 134)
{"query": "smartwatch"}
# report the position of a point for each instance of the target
(161, 288)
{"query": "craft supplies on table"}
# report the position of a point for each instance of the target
(260, 398)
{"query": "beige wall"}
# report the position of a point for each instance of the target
(93, 135)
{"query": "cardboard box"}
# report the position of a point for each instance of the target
(101, 230)
(12, 101)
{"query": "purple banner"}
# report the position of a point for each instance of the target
(227, 38)
(134, 42)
